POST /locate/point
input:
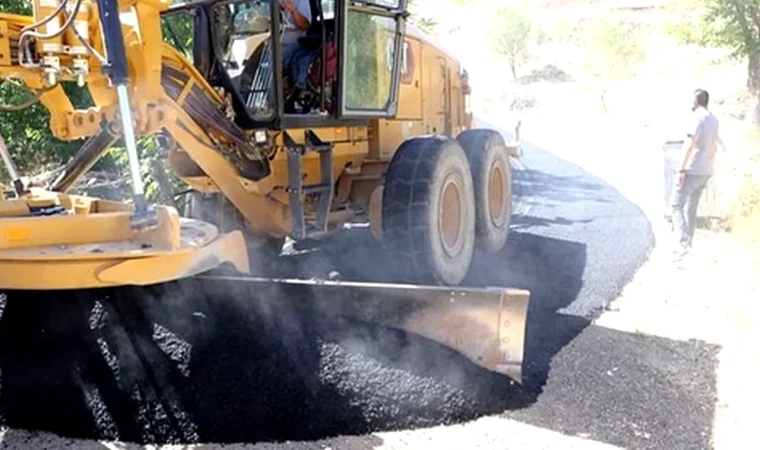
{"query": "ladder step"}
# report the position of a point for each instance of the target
(320, 148)
(311, 189)
(316, 189)
(316, 224)
(313, 143)
(47, 210)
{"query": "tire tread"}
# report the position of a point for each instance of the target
(406, 205)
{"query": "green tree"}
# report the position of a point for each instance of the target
(733, 24)
(26, 131)
(618, 45)
(33, 147)
(736, 24)
(420, 18)
(511, 34)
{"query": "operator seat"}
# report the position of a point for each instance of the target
(312, 41)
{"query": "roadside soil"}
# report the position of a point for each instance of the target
(710, 295)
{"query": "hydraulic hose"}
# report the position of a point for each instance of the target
(28, 32)
(58, 9)
(83, 160)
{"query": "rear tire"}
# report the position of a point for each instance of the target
(428, 209)
(492, 180)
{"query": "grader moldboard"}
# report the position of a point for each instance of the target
(381, 134)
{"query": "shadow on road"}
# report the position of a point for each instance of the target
(524, 221)
(541, 188)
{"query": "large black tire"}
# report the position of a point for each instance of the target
(426, 246)
(492, 180)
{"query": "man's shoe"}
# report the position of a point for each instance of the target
(680, 251)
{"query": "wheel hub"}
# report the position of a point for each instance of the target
(451, 221)
(497, 193)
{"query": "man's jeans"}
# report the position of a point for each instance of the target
(297, 60)
(685, 203)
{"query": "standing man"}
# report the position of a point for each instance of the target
(696, 169)
(296, 59)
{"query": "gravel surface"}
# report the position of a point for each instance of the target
(485, 433)
(238, 366)
(708, 296)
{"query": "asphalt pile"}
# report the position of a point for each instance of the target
(200, 361)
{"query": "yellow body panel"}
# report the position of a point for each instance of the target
(431, 97)
(119, 267)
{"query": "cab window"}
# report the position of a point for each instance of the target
(369, 54)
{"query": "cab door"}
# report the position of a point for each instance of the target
(372, 32)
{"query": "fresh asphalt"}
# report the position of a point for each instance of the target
(210, 362)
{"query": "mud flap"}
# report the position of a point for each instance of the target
(485, 325)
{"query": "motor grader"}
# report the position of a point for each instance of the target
(381, 134)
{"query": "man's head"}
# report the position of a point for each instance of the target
(701, 98)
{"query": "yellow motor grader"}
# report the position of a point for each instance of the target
(380, 133)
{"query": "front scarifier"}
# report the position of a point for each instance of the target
(56, 241)
(51, 240)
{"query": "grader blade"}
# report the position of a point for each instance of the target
(485, 325)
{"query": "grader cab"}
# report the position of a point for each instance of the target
(367, 123)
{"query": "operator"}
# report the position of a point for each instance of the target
(296, 59)
(695, 171)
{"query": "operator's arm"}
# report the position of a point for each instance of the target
(301, 13)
